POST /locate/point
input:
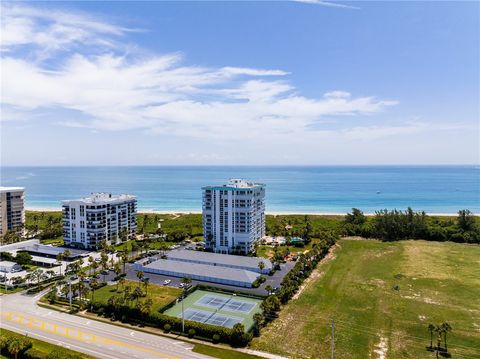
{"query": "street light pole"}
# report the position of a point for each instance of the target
(332, 343)
(183, 318)
(70, 284)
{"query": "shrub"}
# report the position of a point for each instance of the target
(33, 353)
(191, 333)
(63, 354)
(215, 338)
(167, 327)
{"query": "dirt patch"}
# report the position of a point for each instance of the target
(317, 273)
(381, 348)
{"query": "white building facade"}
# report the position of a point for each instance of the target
(100, 217)
(233, 216)
(12, 209)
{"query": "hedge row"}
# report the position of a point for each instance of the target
(235, 336)
(9, 343)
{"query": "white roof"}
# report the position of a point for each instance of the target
(102, 198)
(214, 259)
(204, 270)
(11, 189)
(44, 260)
(7, 264)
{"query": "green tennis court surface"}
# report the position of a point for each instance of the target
(220, 309)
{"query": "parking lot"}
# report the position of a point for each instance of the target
(274, 281)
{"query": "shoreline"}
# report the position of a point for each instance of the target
(272, 213)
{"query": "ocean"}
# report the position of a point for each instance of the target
(290, 189)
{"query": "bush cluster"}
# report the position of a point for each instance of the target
(397, 225)
(258, 282)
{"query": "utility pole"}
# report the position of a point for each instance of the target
(332, 339)
(70, 284)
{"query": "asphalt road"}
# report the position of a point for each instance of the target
(20, 313)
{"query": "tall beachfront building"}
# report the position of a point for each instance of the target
(233, 216)
(12, 209)
(101, 216)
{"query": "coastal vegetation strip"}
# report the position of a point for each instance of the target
(382, 297)
(13, 345)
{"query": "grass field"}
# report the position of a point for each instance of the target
(221, 353)
(161, 295)
(437, 282)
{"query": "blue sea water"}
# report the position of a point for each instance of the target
(328, 189)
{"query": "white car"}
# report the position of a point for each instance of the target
(166, 281)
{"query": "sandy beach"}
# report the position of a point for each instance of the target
(273, 213)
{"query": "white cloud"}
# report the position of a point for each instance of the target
(49, 30)
(328, 4)
(103, 88)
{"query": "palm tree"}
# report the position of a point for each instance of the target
(121, 281)
(67, 253)
(140, 275)
(145, 282)
(124, 259)
(431, 329)
(60, 257)
(16, 345)
(104, 262)
(445, 329)
(261, 265)
(439, 331)
(93, 286)
(186, 281)
(269, 289)
(137, 293)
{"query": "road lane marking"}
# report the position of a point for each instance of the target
(77, 334)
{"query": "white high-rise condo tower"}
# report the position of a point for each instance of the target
(99, 217)
(233, 216)
(12, 209)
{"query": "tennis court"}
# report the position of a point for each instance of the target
(230, 304)
(211, 318)
(220, 309)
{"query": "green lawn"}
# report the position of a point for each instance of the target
(42, 346)
(438, 282)
(10, 290)
(161, 295)
(221, 353)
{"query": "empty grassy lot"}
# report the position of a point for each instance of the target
(437, 282)
(160, 295)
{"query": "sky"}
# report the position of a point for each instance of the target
(240, 83)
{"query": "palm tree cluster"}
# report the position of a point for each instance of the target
(441, 331)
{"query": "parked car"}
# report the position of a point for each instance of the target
(167, 281)
(105, 272)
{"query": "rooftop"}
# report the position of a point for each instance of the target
(7, 264)
(103, 198)
(237, 183)
(51, 250)
(11, 189)
(213, 259)
(191, 269)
